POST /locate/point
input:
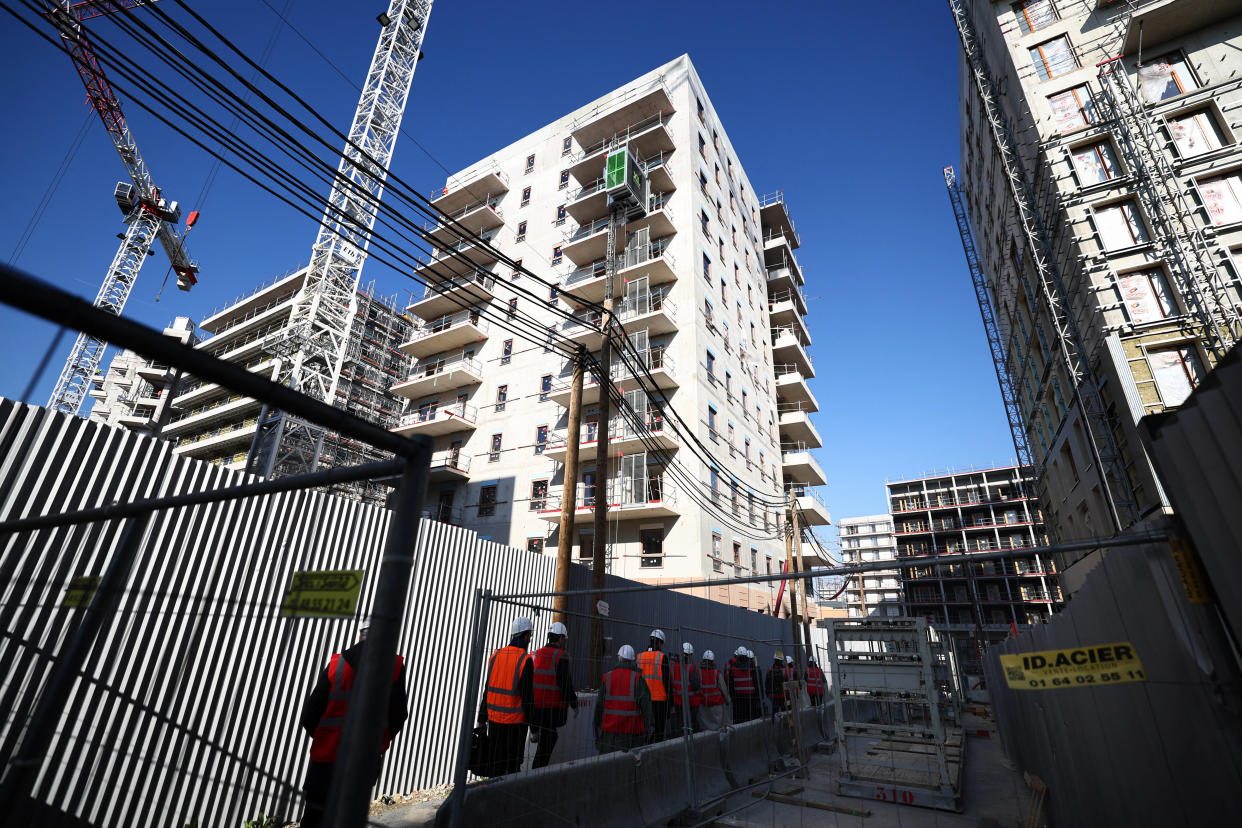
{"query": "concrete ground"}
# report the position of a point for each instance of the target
(995, 795)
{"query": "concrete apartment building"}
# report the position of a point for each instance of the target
(134, 392)
(1134, 169)
(869, 539)
(215, 424)
(709, 295)
(954, 515)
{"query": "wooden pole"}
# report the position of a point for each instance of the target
(793, 581)
(806, 619)
(565, 539)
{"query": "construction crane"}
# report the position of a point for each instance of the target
(312, 348)
(148, 215)
(1009, 393)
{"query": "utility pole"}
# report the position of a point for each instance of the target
(793, 581)
(565, 540)
(803, 584)
(602, 466)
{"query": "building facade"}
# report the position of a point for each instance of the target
(213, 423)
(135, 392)
(1124, 124)
(869, 539)
(708, 293)
(959, 514)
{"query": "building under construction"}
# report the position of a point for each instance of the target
(956, 515)
(1100, 176)
(212, 423)
(135, 392)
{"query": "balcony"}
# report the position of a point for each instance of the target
(588, 203)
(463, 257)
(659, 366)
(209, 443)
(788, 348)
(812, 511)
(800, 467)
(449, 465)
(471, 187)
(796, 426)
(778, 248)
(623, 438)
(787, 307)
(645, 135)
(446, 334)
(440, 374)
(469, 289)
(785, 276)
(1158, 22)
(588, 243)
(225, 408)
(193, 394)
(659, 218)
(477, 217)
(273, 291)
(651, 311)
(653, 261)
(158, 374)
(138, 422)
(658, 174)
(792, 388)
(584, 329)
(774, 216)
(434, 420)
(628, 499)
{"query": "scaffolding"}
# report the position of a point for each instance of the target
(1043, 257)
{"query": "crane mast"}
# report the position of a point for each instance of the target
(148, 215)
(312, 349)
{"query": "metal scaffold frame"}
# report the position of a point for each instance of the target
(1178, 237)
(314, 347)
(1114, 478)
(1009, 394)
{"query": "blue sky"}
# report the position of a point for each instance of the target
(851, 109)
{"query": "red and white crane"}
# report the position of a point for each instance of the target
(148, 215)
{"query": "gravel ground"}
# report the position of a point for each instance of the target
(435, 794)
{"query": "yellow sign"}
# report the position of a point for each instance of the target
(324, 594)
(81, 591)
(1192, 576)
(1078, 667)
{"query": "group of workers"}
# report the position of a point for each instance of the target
(646, 698)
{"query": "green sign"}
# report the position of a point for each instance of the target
(323, 594)
(81, 591)
(614, 170)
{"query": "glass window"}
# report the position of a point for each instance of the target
(711, 422)
(525, 196)
(487, 501)
(1177, 371)
(534, 545)
(506, 352)
(702, 145)
(1072, 108)
(566, 146)
(1195, 133)
(1222, 196)
(521, 231)
(754, 561)
(1146, 295)
(1095, 163)
(707, 268)
(1053, 58)
(713, 479)
(703, 221)
(513, 307)
(545, 386)
(502, 397)
(530, 163)
(541, 439)
(717, 544)
(517, 269)
(711, 366)
(538, 495)
(1120, 225)
(556, 259)
(564, 182)
(1166, 77)
(737, 555)
(493, 454)
(652, 541)
(560, 215)
(1034, 14)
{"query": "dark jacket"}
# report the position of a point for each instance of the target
(548, 717)
(317, 702)
(526, 686)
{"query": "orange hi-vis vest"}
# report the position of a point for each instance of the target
(815, 684)
(651, 663)
(504, 704)
(547, 691)
(743, 680)
(621, 711)
(327, 736)
(710, 676)
(695, 698)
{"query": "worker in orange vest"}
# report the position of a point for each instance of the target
(654, 667)
(509, 703)
(715, 694)
(554, 693)
(623, 709)
(816, 684)
(323, 716)
(683, 665)
(743, 688)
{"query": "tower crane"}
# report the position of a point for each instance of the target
(149, 216)
(312, 348)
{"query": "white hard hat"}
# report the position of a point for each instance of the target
(687, 648)
(789, 659)
(750, 654)
(658, 634)
(626, 652)
(520, 625)
(810, 659)
(740, 651)
(708, 655)
(558, 628)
